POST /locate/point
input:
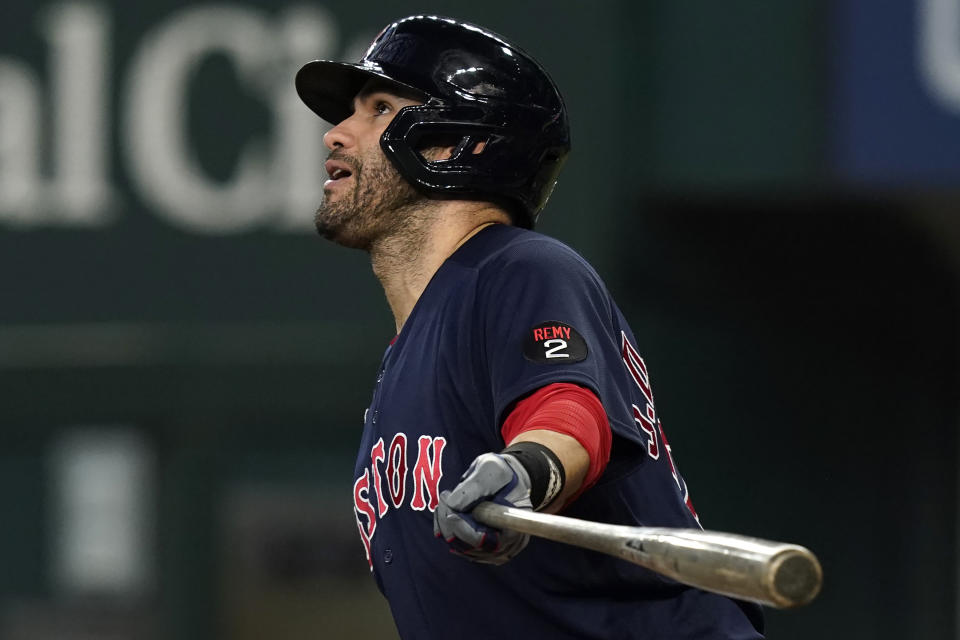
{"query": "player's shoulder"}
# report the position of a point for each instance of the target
(500, 248)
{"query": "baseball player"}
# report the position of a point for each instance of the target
(513, 377)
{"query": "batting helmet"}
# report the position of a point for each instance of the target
(476, 88)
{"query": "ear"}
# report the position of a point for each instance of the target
(442, 152)
(453, 152)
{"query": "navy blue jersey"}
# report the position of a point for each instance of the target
(509, 312)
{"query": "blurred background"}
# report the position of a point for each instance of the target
(768, 188)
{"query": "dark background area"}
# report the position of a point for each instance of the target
(798, 308)
(820, 337)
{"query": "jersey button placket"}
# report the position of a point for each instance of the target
(371, 410)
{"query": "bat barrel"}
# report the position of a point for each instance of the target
(772, 573)
(797, 577)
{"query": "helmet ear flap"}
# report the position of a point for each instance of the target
(493, 157)
(417, 128)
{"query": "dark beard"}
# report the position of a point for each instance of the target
(379, 199)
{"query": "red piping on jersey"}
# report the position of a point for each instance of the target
(569, 409)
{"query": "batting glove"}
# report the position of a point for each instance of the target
(494, 477)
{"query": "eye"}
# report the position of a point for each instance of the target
(382, 108)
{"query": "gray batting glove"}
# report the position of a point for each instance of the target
(491, 477)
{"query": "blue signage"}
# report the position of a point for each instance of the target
(896, 111)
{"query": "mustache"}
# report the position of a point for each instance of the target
(339, 155)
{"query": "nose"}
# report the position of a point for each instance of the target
(340, 135)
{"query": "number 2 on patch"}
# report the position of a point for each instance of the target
(552, 352)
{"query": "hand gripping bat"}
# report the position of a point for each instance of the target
(776, 574)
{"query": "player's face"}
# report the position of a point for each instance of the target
(365, 190)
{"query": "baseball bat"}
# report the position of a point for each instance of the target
(776, 574)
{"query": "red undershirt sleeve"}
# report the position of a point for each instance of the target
(569, 409)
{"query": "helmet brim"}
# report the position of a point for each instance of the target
(329, 87)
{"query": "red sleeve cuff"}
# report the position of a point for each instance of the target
(569, 409)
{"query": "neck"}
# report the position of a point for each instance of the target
(405, 260)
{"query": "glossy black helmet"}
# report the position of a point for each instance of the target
(476, 87)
